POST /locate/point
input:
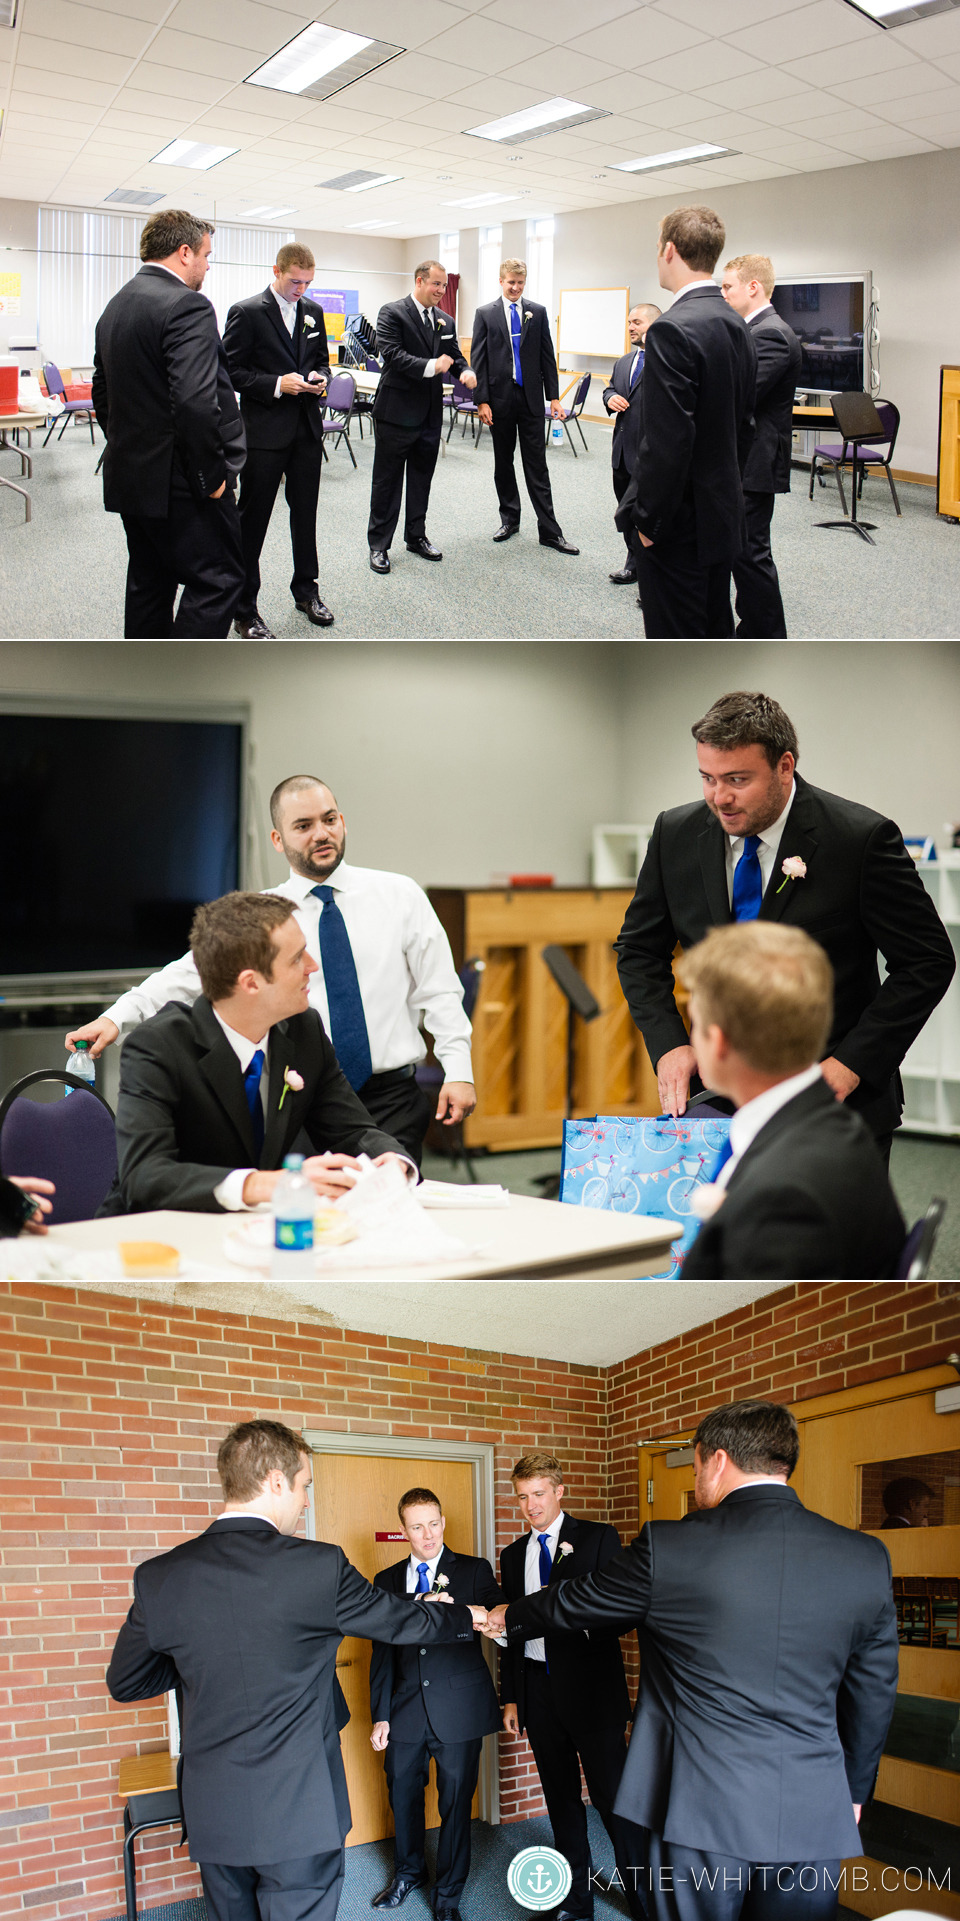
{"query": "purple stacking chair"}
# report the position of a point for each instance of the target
(72, 1143)
(71, 408)
(866, 457)
(573, 413)
(341, 395)
(462, 404)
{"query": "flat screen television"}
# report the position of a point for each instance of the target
(831, 319)
(111, 832)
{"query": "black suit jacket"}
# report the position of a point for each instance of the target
(403, 397)
(491, 357)
(587, 1670)
(696, 422)
(163, 396)
(626, 426)
(246, 1622)
(810, 1200)
(258, 349)
(459, 1699)
(183, 1120)
(767, 468)
(862, 893)
(768, 1674)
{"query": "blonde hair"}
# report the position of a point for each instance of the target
(753, 266)
(293, 254)
(512, 266)
(768, 988)
(531, 1466)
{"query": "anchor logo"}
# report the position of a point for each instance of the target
(539, 1878)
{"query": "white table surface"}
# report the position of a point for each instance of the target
(531, 1239)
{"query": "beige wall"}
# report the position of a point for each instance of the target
(375, 268)
(18, 254)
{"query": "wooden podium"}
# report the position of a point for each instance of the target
(520, 1018)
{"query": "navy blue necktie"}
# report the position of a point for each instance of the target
(637, 369)
(348, 1025)
(251, 1088)
(516, 328)
(423, 1577)
(748, 881)
(546, 1565)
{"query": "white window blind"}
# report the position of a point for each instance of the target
(491, 239)
(540, 261)
(85, 258)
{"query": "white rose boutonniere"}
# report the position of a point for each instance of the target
(793, 868)
(566, 1547)
(442, 1581)
(290, 1079)
(307, 321)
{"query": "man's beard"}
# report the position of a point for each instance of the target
(302, 863)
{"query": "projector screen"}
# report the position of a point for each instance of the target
(111, 832)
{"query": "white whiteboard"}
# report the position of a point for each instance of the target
(593, 320)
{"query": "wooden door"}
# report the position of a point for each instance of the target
(948, 454)
(666, 1482)
(354, 1499)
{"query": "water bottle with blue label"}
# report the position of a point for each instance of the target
(556, 433)
(293, 1207)
(81, 1067)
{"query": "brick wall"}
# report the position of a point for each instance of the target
(111, 1415)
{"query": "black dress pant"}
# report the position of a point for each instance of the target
(399, 450)
(513, 420)
(397, 1103)
(407, 1771)
(760, 614)
(680, 600)
(631, 539)
(301, 462)
(197, 544)
(558, 1750)
(303, 1890)
(686, 1884)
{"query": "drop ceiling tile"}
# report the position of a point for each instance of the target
(149, 11)
(707, 65)
(142, 126)
(746, 166)
(943, 128)
(890, 145)
(490, 48)
(835, 126)
(510, 99)
(906, 83)
(420, 74)
(856, 62)
(569, 71)
(410, 133)
(332, 118)
(447, 117)
(806, 29)
(404, 23)
(725, 16)
(801, 153)
(646, 35)
(53, 85)
(938, 34)
(627, 93)
(240, 23)
(389, 103)
(561, 20)
(755, 90)
(218, 60)
(680, 110)
(191, 88)
(910, 107)
(168, 106)
(91, 26)
(812, 102)
(92, 62)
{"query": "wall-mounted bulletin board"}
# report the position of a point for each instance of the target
(593, 320)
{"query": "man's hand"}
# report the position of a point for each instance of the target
(316, 379)
(511, 1719)
(406, 1167)
(840, 1080)
(644, 541)
(97, 1034)
(332, 1175)
(558, 410)
(32, 1184)
(496, 1622)
(457, 1100)
(443, 363)
(468, 379)
(485, 412)
(674, 1072)
(479, 1616)
(218, 490)
(380, 1736)
(294, 384)
(617, 405)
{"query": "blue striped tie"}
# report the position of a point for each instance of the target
(516, 328)
(348, 1023)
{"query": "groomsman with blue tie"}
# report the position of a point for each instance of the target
(622, 400)
(381, 960)
(512, 355)
(763, 843)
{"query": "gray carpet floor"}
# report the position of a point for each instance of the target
(919, 1169)
(62, 576)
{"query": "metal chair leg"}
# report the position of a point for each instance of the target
(576, 418)
(838, 470)
(129, 1868)
(51, 428)
(893, 490)
(350, 451)
(19, 490)
(566, 429)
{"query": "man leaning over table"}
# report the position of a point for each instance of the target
(381, 960)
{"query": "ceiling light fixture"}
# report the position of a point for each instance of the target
(358, 181)
(484, 200)
(128, 197)
(551, 116)
(651, 162)
(8, 13)
(266, 213)
(306, 63)
(192, 153)
(898, 13)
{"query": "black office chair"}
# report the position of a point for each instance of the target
(917, 1254)
(711, 1107)
(859, 422)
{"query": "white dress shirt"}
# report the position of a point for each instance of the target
(426, 313)
(230, 1191)
(766, 852)
(710, 282)
(536, 1650)
(508, 306)
(414, 1564)
(288, 312)
(753, 1115)
(755, 315)
(403, 961)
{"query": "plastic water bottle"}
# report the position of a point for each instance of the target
(81, 1067)
(293, 1207)
(556, 433)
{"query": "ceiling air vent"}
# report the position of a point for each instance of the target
(347, 182)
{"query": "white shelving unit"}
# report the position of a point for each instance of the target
(931, 1071)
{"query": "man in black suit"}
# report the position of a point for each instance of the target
(622, 399)
(276, 348)
(214, 1095)
(768, 1675)
(567, 1690)
(747, 287)
(696, 419)
(437, 1701)
(763, 843)
(418, 346)
(245, 1621)
(164, 398)
(512, 355)
(801, 1193)
(906, 1502)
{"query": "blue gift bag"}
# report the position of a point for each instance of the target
(643, 1165)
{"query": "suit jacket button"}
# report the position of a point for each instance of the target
(426, 1684)
(423, 1650)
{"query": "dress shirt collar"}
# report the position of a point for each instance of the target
(553, 1530)
(285, 306)
(508, 304)
(164, 269)
(426, 313)
(755, 315)
(243, 1048)
(690, 286)
(754, 1115)
(243, 1513)
(300, 888)
(416, 1562)
(773, 834)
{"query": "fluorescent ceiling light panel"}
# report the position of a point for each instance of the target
(359, 181)
(321, 61)
(267, 213)
(8, 13)
(192, 153)
(484, 200)
(896, 13)
(679, 157)
(127, 197)
(551, 116)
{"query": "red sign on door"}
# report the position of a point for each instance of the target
(390, 1537)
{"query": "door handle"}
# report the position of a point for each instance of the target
(344, 1664)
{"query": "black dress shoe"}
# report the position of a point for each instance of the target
(507, 530)
(315, 611)
(562, 546)
(424, 548)
(252, 629)
(396, 1893)
(379, 560)
(624, 577)
(447, 1914)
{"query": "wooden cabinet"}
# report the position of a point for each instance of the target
(520, 1017)
(948, 452)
